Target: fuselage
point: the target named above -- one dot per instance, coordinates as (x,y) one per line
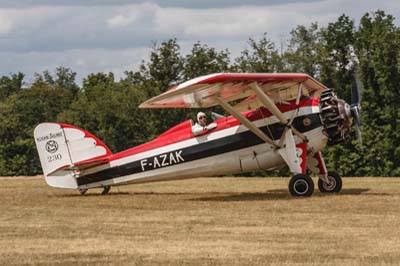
(229,148)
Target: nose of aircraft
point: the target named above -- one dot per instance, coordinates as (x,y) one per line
(338,116)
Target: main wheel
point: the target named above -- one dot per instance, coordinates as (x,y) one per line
(334,185)
(105,190)
(301,186)
(82,191)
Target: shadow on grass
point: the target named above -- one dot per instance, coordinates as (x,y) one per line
(273,194)
(247,197)
(93,194)
(149,193)
(280,194)
(354,191)
(358,191)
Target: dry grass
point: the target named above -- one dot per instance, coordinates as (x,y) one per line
(209,221)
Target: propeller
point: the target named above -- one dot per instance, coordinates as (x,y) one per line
(338,115)
(355,107)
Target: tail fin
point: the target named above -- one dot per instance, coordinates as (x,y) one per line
(62,147)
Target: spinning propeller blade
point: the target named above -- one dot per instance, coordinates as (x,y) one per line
(356,103)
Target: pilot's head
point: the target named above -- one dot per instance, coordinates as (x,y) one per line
(201,118)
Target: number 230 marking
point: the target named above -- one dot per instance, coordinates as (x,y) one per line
(54,157)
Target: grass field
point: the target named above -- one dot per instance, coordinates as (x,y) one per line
(207,221)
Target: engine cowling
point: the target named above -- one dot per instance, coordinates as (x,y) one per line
(336,116)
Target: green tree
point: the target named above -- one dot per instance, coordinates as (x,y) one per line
(304,50)
(204,60)
(10,84)
(337,67)
(63,78)
(261,56)
(20,113)
(378,49)
(164,68)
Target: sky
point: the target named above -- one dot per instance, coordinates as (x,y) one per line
(116,35)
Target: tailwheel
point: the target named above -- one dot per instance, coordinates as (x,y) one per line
(106,189)
(334,185)
(301,186)
(82,191)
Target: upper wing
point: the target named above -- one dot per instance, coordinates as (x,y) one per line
(202,91)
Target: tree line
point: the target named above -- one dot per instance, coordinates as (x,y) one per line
(108,108)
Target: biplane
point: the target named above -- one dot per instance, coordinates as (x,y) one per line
(276,119)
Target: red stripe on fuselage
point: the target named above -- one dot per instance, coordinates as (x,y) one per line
(183,131)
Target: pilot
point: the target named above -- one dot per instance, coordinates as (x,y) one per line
(201,125)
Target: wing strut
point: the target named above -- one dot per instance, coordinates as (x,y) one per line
(270,105)
(245,121)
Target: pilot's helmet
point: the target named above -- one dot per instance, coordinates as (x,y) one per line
(199,115)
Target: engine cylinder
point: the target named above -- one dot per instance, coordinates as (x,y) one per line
(336,117)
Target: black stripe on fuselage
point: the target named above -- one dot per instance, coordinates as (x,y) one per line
(210,148)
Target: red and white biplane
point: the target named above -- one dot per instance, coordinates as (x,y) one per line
(284,119)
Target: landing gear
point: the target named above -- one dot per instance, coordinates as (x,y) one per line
(106,189)
(301,186)
(82,191)
(334,185)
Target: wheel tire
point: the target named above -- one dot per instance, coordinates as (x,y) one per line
(301,186)
(82,191)
(335,185)
(106,189)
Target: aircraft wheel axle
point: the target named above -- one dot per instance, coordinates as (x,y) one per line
(301,186)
